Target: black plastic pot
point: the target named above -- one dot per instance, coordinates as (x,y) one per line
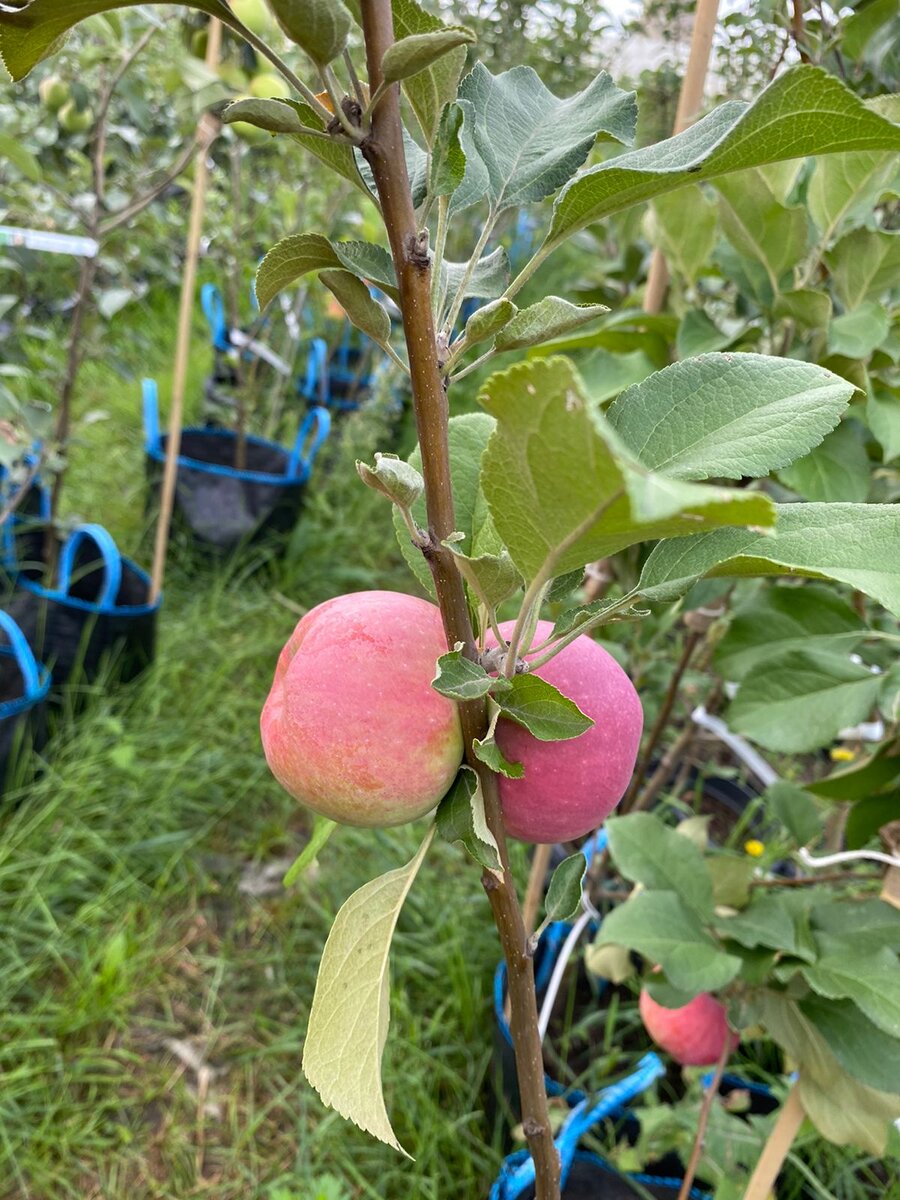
(223,508)
(24,685)
(22,533)
(98,618)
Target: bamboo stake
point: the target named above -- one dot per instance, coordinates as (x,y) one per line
(207,131)
(776,1148)
(535,890)
(690,102)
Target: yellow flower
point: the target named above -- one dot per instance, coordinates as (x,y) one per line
(754,848)
(842,754)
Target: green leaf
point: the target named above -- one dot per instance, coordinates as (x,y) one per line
(348,1023)
(565,891)
(837,470)
(461,820)
(540,708)
(32,33)
(493,578)
(21,158)
(842,1109)
(488,320)
(729,414)
(661,928)
(858,544)
(778,619)
(530,141)
(867,816)
(609,962)
(401,483)
(856,334)
(845,187)
(862,926)
(474,184)
(804,111)
(805,306)
(863,264)
(319,27)
(795,808)
(459,678)
(873,775)
(868,979)
(587,614)
(803,700)
(419,51)
(698,335)
(468,436)
(731,878)
(417,168)
(862,1049)
(685,229)
(883,417)
(765,921)
(555,467)
(322,830)
(758,226)
(357,302)
(647,851)
(548,318)
(488,281)
(272,115)
(448,159)
(487,751)
(295,256)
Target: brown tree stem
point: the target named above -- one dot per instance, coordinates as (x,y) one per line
(700,1138)
(662,719)
(383,150)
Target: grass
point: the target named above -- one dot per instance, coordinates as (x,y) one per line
(153,1009)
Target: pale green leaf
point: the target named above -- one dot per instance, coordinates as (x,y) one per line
(883,418)
(319,27)
(805,306)
(588,614)
(803,111)
(272,115)
(856,334)
(857,544)
(548,318)
(530,141)
(448,159)
(836,470)
(778,619)
(731,878)
(492,577)
(555,467)
(795,808)
(487,282)
(765,921)
(459,678)
(868,979)
(460,819)
(685,228)
(647,851)
(488,320)
(350,1015)
(801,701)
(698,335)
(863,1050)
(540,708)
(729,415)
(358,303)
(864,263)
(758,226)
(487,751)
(419,51)
(401,483)
(12,150)
(661,928)
(475,180)
(564,894)
(295,256)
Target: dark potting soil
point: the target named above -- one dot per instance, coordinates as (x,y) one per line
(219,451)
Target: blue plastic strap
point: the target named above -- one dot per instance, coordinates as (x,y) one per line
(316,369)
(300,464)
(214,310)
(344,351)
(27,663)
(151,415)
(109,552)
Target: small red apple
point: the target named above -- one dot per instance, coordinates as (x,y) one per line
(695,1034)
(352,726)
(570,788)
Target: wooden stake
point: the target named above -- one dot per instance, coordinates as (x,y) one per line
(535,890)
(690,102)
(209,128)
(776,1148)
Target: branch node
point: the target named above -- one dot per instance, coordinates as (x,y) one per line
(417,250)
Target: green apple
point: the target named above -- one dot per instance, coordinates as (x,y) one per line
(54,92)
(269,86)
(254,14)
(73,119)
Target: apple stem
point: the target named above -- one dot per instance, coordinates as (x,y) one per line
(383,149)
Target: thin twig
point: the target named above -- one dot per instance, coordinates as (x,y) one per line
(699,1140)
(100,124)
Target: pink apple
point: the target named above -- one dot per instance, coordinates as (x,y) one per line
(570,788)
(352,726)
(695,1034)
